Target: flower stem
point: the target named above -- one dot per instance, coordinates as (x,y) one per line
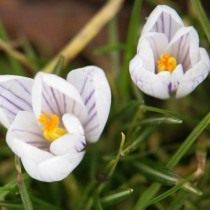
(22,187)
(111,166)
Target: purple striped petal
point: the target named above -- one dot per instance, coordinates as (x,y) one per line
(194,76)
(165,20)
(150,47)
(92,84)
(25,128)
(185,47)
(68,144)
(150,83)
(43,161)
(54,95)
(15,96)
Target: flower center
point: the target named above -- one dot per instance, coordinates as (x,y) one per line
(51,129)
(166,62)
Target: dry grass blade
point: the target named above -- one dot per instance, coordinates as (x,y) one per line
(90,30)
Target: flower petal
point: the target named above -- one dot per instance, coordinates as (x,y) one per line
(150,48)
(165,78)
(194,76)
(15,96)
(25,139)
(94,89)
(147,81)
(163,19)
(69,143)
(72,124)
(171,80)
(176,77)
(185,47)
(54,169)
(52,94)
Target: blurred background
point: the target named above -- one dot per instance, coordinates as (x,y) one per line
(49,24)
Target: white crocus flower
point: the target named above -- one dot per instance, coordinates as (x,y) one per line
(50,119)
(169,60)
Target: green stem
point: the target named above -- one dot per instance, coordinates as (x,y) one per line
(111,166)
(22,187)
(135,143)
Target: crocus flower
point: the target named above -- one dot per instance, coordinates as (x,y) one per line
(50,119)
(169,61)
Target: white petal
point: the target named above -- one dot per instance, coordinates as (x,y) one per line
(25,127)
(185,47)
(69,143)
(194,76)
(147,81)
(165,78)
(25,139)
(52,94)
(15,96)
(163,19)
(31,168)
(146,53)
(171,80)
(93,86)
(176,77)
(150,47)
(54,169)
(72,124)
(27,151)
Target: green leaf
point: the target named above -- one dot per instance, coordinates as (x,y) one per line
(146,197)
(203,19)
(97,204)
(6,189)
(143,201)
(116,196)
(130,47)
(161,120)
(166,112)
(11,205)
(178,201)
(59,67)
(165,176)
(15,65)
(133,145)
(185,146)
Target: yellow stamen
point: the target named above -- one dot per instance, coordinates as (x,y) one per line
(51,129)
(166,62)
